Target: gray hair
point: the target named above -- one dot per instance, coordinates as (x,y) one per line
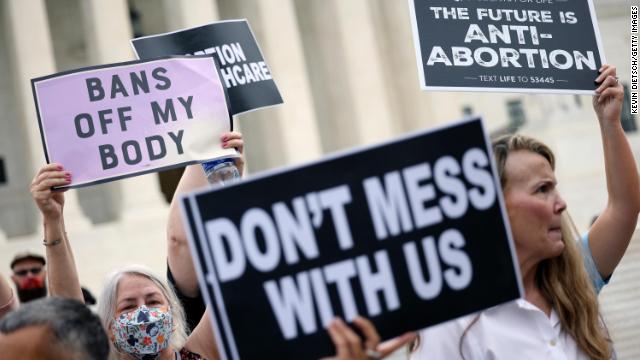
(107,303)
(72,323)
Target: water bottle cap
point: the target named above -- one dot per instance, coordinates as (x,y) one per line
(214,163)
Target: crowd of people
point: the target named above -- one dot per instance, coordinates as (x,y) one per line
(140,315)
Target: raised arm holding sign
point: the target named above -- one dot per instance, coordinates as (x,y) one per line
(134,300)
(561,276)
(116,121)
(180,264)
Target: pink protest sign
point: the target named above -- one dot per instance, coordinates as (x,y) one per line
(113,121)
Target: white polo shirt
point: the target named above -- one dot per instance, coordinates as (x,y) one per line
(514,330)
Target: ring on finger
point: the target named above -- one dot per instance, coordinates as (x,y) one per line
(373,354)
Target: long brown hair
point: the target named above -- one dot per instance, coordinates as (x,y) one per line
(563,280)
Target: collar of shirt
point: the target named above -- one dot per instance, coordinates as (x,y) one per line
(517,328)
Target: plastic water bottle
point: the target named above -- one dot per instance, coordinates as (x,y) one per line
(221,171)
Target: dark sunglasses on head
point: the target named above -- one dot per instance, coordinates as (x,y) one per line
(24,272)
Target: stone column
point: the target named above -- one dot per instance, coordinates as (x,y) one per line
(412,107)
(189,13)
(108,30)
(108,33)
(31,55)
(344,58)
(287,133)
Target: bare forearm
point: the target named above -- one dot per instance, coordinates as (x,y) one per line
(179,255)
(623,186)
(203,340)
(611,233)
(5,291)
(7,298)
(62,272)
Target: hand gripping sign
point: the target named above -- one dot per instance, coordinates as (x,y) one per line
(108,122)
(409,233)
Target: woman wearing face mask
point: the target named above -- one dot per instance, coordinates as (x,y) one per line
(146,321)
(139,311)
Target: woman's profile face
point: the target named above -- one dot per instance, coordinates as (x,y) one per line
(134,291)
(534,206)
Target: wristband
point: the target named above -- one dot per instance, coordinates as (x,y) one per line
(51,243)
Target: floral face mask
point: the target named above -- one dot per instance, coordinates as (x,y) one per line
(144,332)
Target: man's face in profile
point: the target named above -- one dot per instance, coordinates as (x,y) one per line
(35,342)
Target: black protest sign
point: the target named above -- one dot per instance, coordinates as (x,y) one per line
(525,46)
(409,234)
(243,70)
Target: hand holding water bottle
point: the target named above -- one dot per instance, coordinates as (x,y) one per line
(226,170)
(234,139)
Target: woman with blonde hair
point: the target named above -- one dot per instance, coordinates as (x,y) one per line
(558,318)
